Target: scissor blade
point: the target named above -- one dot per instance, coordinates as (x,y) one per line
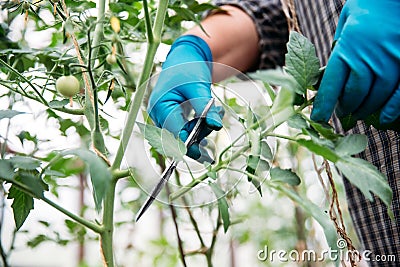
(167,173)
(156,190)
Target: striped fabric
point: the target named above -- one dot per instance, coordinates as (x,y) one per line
(317,19)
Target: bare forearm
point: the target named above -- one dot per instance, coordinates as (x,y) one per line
(232,38)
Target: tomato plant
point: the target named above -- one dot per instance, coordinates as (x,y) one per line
(103,48)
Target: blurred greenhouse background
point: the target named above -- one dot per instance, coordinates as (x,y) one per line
(50,239)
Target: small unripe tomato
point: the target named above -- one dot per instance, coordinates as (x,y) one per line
(68,86)
(26,5)
(111,59)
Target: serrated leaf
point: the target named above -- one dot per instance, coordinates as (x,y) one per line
(24,135)
(317,213)
(367,178)
(8,114)
(297,122)
(100,176)
(285,176)
(351,144)
(25,163)
(319,149)
(325,130)
(222,205)
(33,182)
(301,61)
(163,141)
(58,103)
(22,205)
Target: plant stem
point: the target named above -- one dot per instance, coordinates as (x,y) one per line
(42,100)
(106,235)
(119,174)
(194,182)
(98,30)
(148,22)
(94,227)
(213,241)
(3,253)
(142,85)
(178,236)
(22,187)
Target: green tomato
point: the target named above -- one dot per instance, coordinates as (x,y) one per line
(68,86)
(26,5)
(111,59)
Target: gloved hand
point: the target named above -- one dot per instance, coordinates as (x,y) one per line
(363,73)
(185,78)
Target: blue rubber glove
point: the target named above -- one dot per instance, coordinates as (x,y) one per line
(363,73)
(184,82)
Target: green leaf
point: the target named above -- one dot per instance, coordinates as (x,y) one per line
(37,240)
(22,205)
(8,114)
(285,176)
(24,135)
(25,163)
(257,185)
(33,182)
(351,144)
(99,174)
(297,122)
(266,150)
(6,170)
(222,205)
(282,108)
(325,130)
(163,141)
(301,61)
(316,212)
(276,77)
(256,165)
(319,149)
(58,103)
(270,91)
(212,174)
(367,178)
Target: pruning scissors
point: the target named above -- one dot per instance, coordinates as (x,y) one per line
(192,138)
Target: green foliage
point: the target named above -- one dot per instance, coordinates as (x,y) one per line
(163,141)
(222,205)
(367,178)
(30,75)
(284,176)
(8,114)
(99,174)
(22,205)
(301,62)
